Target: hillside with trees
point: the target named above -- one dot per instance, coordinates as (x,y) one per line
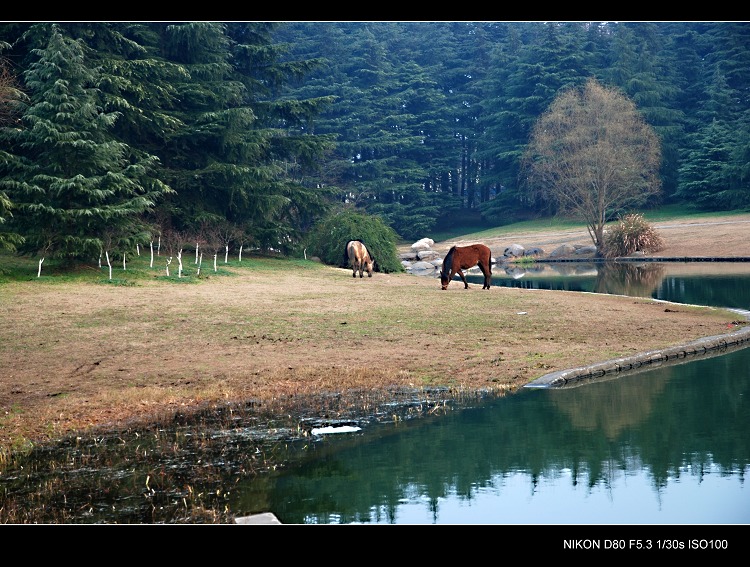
(255,134)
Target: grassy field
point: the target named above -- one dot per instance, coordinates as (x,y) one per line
(81,351)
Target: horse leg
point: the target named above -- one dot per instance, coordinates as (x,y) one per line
(487,276)
(463,278)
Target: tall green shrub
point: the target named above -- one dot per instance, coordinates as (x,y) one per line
(329,236)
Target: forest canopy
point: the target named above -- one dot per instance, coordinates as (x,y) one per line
(112,133)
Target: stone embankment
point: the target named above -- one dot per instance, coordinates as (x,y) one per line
(705,347)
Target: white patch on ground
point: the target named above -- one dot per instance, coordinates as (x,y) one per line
(330,429)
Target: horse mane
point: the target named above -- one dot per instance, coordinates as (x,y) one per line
(448,260)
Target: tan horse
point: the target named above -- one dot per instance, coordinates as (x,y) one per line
(357,255)
(465,257)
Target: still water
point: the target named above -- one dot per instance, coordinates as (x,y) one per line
(720,284)
(666,446)
(669,445)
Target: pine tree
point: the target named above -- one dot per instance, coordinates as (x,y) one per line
(232,158)
(75,189)
(529,68)
(10,103)
(640,68)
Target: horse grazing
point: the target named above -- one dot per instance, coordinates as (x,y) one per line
(465,257)
(356,253)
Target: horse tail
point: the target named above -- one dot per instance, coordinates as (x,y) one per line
(345,262)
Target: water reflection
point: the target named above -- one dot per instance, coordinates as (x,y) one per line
(721,284)
(666,446)
(635,280)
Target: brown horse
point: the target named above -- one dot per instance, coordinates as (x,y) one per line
(465,257)
(356,253)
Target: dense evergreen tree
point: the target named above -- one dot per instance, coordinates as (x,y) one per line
(10,104)
(715,166)
(231,160)
(706,167)
(75,190)
(640,68)
(522,90)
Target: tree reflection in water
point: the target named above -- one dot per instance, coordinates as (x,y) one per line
(634,280)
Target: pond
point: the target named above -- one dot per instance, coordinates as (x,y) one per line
(720,284)
(668,445)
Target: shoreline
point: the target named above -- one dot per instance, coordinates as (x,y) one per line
(708,347)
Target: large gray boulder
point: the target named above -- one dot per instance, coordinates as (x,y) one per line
(427,255)
(513,251)
(562,251)
(421,268)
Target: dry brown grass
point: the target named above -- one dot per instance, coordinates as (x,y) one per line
(82,356)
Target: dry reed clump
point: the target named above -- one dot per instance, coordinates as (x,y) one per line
(632,233)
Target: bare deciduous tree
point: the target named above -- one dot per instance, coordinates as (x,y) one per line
(11,100)
(11,95)
(593,155)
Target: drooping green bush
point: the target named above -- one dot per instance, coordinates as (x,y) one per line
(631,233)
(327,239)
